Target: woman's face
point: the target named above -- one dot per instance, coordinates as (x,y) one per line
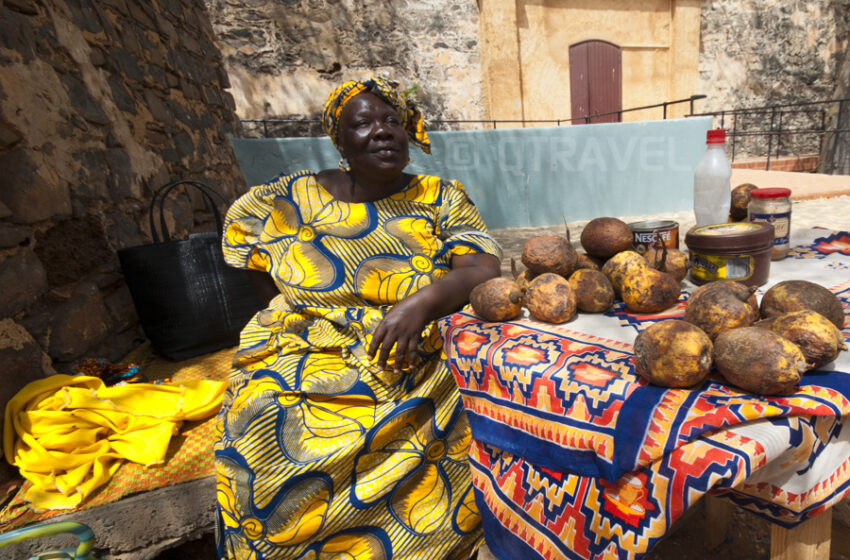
(371,136)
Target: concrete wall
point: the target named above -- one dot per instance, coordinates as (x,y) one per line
(525,53)
(100,102)
(533,176)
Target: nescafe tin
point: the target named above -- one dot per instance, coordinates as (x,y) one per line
(737,251)
(646,233)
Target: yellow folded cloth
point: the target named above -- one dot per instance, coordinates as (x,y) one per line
(69,434)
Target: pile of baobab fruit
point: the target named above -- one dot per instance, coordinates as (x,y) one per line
(760,347)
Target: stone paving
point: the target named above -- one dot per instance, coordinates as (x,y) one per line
(833,213)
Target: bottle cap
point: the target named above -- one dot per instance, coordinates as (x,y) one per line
(770,193)
(716,136)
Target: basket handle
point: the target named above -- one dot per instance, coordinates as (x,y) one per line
(162,193)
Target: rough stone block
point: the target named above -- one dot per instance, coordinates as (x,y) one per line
(124,230)
(91,175)
(16,34)
(9,135)
(85,16)
(159,111)
(121,309)
(127,63)
(82,101)
(72,249)
(122,98)
(189,90)
(183,143)
(13,235)
(23,361)
(4,211)
(122,180)
(30,195)
(79,324)
(22,280)
(142,13)
(116,347)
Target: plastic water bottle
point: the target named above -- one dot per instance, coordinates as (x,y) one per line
(712,190)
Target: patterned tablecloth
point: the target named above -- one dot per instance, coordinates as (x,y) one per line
(575,456)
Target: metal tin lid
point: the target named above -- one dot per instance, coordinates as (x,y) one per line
(777,192)
(734,236)
(653,225)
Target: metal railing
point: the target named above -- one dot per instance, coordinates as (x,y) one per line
(772,124)
(266,123)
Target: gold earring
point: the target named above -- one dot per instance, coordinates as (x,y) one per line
(343,165)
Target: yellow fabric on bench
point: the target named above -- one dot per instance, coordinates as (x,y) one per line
(189,455)
(68,434)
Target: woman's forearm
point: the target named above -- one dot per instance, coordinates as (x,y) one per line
(451,292)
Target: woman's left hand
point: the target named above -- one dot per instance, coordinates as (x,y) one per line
(402,326)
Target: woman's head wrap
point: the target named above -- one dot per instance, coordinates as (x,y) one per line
(384,88)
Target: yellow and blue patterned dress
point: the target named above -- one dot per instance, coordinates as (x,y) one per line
(321,452)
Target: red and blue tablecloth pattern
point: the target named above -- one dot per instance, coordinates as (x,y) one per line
(574,456)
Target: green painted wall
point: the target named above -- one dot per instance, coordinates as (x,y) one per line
(533,176)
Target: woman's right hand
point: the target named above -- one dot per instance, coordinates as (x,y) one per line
(401,327)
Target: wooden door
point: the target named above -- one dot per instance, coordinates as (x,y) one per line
(595,81)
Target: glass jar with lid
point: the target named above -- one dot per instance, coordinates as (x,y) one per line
(773,206)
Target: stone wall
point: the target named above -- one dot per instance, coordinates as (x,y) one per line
(284,57)
(100,102)
(754,54)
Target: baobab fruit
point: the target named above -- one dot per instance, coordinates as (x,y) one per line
(670,260)
(623,263)
(605,237)
(549,253)
(759,360)
(649,291)
(497,299)
(740,201)
(550,298)
(521,278)
(720,306)
(796,295)
(673,353)
(583,260)
(818,339)
(592,289)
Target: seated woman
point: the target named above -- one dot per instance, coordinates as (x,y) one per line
(342,430)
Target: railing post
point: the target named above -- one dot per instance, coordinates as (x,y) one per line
(665,110)
(734,133)
(835,138)
(265,129)
(770,137)
(722,119)
(779,135)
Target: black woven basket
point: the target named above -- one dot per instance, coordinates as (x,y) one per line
(189,301)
